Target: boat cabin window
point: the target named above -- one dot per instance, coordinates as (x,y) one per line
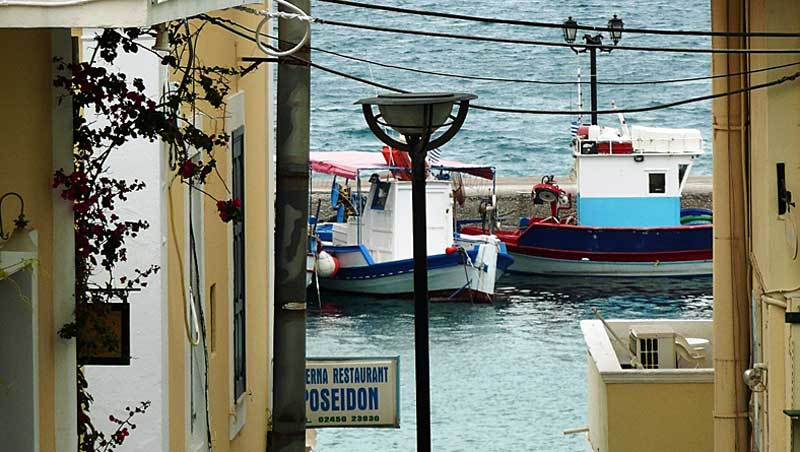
(682,168)
(658,182)
(381,193)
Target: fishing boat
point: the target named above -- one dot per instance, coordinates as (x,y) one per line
(366,248)
(628,220)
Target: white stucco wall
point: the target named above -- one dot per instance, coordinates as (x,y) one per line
(114,387)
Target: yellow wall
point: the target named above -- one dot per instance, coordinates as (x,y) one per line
(660,417)
(598,406)
(26,166)
(652,417)
(218,47)
(774,137)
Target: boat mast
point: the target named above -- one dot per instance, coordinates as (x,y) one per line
(580,96)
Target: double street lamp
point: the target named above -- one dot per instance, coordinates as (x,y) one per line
(417,116)
(593,43)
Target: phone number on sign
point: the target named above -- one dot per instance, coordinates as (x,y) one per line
(346,419)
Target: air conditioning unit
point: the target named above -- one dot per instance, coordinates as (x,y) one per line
(653,345)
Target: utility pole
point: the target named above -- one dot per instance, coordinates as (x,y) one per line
(593,44)
(593,40)
(291,239)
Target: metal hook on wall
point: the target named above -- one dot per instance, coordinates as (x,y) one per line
(20,222)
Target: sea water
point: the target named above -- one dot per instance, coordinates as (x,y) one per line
(508,376)
(518,145)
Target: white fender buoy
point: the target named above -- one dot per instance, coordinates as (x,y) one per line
(327,265)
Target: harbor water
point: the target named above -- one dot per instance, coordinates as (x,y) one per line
(518,145)
(510,376)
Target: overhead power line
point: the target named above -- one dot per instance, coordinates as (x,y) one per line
(690,100)
(220,23)
(518,80)
(521,110)
(547,82)
(530,23)
(436,34)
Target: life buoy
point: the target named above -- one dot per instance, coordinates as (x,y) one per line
(326,265)
(695,219)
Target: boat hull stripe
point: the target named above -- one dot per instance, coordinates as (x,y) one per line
(663,256)
(618,240)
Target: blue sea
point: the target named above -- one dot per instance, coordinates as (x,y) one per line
(510,376)
(518,145)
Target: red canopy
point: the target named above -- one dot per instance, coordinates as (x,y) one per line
(347,164)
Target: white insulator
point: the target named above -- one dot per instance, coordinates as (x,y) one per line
(327,265)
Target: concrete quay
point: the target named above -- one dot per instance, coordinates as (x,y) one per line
(514,197)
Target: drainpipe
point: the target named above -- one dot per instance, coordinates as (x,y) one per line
(291,232)
(731,276)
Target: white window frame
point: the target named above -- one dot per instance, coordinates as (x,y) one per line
(667,174)
(196,440)
(688,171)
(235,119)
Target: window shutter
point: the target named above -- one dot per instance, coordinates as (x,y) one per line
(239,345)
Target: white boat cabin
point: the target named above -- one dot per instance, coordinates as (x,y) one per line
(634,178)
(384,226)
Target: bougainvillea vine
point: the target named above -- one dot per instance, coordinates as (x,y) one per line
(123,112)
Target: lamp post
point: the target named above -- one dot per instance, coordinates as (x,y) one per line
(417,116)
(593,43)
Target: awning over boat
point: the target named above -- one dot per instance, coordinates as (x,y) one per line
(348,163)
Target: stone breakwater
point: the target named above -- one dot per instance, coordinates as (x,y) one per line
(514,198)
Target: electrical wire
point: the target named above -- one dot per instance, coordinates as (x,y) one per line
(195,289)
(531,111)
(690,100)
(436,34)
(218,23)
(530,23)
(545,82)
(517,80)
(187,323)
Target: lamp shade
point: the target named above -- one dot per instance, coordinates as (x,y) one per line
(615,25)
(162,43)
(570,30)
(19,241)
(416,114)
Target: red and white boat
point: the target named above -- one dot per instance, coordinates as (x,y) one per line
(370,239)
(628,220)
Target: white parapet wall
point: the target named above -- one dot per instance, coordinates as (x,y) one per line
(634,409)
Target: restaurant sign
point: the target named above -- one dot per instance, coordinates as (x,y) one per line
(352,392)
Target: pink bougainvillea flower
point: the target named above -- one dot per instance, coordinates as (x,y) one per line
(188,169)
(230,210)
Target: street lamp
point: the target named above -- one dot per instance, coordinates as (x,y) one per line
(570,30)
(593,43)
(417,116)
(615,25)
